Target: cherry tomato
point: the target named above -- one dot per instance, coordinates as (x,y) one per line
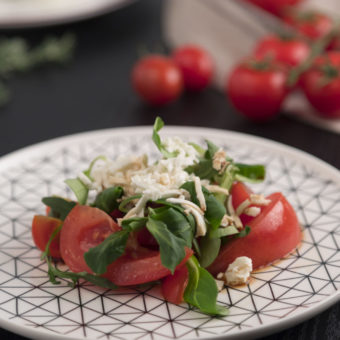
(157,79)
(275,232)
(312,24)
(196,66)
(288,51)
(257,89)
(173,286)
(275,7)
(321,85)
(42,229)
(84,228)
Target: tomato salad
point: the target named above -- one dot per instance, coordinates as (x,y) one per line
(181,221)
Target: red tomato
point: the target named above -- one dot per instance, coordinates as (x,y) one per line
(173,286)
(84,228)
(139,266)
(196,66)
(42,229)
(312,24)
(274,233)
(321,85)
(257,89)
(239,193)
(145,239)
(290,52)
(275,6)
(157,79)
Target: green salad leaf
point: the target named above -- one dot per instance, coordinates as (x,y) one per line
(79,188)
(250,173)
(107,199)
(215,209)
(60,207)
(210,248)
(201,290)
(158,125)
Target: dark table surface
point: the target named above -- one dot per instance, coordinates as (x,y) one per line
(94,92)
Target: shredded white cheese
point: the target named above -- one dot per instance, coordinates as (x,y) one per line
(199,193)
(219,160)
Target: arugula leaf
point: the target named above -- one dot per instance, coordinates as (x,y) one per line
(99,257)
(171,246)
(79,188)
(201,290)
(107,199)
(176,222)
(215,209)
(210,248)
(60,207)
(250,173)
(158,125)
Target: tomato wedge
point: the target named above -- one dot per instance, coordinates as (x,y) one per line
(84,228)
(42,229)
(274,233)
(173,286)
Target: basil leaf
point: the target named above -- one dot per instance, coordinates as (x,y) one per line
(99,257)
(60,207)
(171,246)
(250,173)
(176,222)
(201,290)
(210,248)
(222,232)
(107,199)
(158,125)
(215,209)
(79,188)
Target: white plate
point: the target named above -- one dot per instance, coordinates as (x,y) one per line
(279,296)
(33,13)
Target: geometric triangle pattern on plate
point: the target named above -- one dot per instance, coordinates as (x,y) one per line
(285,289)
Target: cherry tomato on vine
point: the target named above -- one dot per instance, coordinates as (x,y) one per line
(286,50)
(321,85)
(157,79)
(275,7)
(311,24)
(257,88)
(196,66)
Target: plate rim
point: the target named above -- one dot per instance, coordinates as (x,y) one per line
(7,160)
(88,12)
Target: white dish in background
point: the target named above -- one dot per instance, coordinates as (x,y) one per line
(34,13)
(278,296)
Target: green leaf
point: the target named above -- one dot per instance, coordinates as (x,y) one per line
(123,203)
(60,207)
(210,248)
(244,232)
(107,199)
(250,173)
(212,149)
(79,188)
(99,257)
(158,125)
(198,148)
(134,223)
(171,246)
(87,172)
(222,232)
(215,209)
(176,222)
(201,290)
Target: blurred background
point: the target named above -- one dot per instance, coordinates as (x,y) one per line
(73,66)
